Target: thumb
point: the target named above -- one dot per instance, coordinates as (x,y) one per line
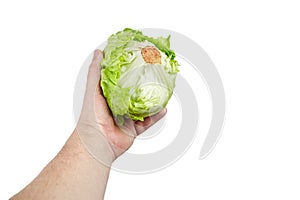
(94,72)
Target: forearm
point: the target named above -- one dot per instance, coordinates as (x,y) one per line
(72,174)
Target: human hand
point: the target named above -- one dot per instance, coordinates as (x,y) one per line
(96,127)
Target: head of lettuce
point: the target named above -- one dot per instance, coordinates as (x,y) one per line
(138,74)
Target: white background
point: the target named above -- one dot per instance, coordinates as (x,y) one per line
(254,44)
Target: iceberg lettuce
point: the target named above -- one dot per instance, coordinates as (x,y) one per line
(138,74)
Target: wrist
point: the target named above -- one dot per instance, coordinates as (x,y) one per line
(93,145)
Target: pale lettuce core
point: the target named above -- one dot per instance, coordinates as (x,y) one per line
(131,86)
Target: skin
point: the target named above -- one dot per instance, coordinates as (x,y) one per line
(74,173)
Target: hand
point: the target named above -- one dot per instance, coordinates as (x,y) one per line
(96,126)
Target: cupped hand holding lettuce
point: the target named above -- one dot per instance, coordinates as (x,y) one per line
(138,74)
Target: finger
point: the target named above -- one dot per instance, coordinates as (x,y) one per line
(101,109)
(94,103)
(94,72)
(141,126)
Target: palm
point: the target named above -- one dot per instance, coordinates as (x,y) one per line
(120,137)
